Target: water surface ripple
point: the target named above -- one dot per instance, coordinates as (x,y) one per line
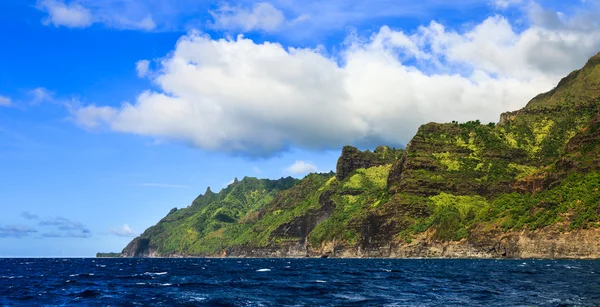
(297,282)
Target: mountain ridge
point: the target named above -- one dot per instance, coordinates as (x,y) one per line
(525,187)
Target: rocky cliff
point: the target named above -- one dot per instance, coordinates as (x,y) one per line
(528,186)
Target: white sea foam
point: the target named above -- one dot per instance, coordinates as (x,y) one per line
(572,267)
(350,297)
(263,270)
(157,273)
(320,281)
(197,299)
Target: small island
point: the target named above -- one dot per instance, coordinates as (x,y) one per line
(108,255)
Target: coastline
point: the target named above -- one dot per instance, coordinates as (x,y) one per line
(548,243)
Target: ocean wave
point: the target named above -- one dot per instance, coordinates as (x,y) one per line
(155,273)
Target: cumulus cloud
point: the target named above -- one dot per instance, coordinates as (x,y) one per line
(301,167)
(15,231)
(72,15)
(82,14)
(239,96)
(123,231)
(142,67)
(5,101)
(262,16)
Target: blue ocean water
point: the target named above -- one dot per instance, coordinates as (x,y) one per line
(297,282)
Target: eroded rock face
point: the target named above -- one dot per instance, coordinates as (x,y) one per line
(495,243)
(587,139)
(352,159)
(449,194)
(299,228)
(139,247)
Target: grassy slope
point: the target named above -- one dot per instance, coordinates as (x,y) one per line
(537,168)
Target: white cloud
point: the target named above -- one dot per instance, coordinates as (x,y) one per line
(72,15)
(39,95)
(238,96)
(116,21)
(301,167)
(503,4)
(92,117)
(262,16)
(123,231)
(84,13)
(5,101)
(142,67)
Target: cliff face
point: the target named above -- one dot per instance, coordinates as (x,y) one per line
(525,187)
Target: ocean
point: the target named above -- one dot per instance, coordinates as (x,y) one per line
(297,282)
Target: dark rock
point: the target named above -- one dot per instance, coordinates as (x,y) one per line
(353,159)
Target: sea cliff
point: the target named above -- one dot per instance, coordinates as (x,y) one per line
(527,187)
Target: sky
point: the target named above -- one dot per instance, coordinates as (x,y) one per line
(112,112)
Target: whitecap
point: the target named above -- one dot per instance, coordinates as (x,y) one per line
(158,273)
(166,284)
(320,281)
(263,270)
(572,267)
(73,275)
(351,297)
(140,283)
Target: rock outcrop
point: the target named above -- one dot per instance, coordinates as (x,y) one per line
(527,187)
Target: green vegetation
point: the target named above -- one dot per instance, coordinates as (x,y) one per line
(108,255)
(539,167)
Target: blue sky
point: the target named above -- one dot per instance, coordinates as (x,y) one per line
(114,112)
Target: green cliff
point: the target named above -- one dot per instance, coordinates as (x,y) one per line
(525,187)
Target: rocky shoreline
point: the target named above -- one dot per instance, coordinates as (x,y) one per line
(541,244)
